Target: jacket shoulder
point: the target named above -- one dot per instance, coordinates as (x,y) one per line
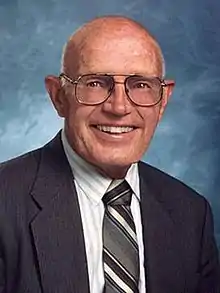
(170,189)
(19,173)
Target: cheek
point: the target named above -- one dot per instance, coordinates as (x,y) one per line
(150,121)
(76,122)
(150,118)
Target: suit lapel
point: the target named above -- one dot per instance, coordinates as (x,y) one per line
(163,259)
(57,229)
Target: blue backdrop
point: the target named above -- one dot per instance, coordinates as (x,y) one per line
(187,143)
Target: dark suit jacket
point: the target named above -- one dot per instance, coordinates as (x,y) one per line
(41,240)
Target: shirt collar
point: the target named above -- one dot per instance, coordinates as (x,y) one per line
(93,183)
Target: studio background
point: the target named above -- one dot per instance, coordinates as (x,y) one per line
(187,142)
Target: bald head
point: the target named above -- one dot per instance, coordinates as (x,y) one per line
(99,32)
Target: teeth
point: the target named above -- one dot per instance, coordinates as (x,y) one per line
(115,129)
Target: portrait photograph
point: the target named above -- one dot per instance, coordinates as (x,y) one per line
(101,99)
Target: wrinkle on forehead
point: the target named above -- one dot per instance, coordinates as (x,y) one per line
(99,32)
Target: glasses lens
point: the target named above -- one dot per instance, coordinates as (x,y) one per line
(144,90)
(93,89)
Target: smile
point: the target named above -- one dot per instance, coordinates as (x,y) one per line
(115,129)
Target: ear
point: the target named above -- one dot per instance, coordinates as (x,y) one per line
(54,89)
(167,92)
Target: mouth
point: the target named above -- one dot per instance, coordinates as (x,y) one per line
(115,129)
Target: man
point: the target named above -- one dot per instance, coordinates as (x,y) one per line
(83,214)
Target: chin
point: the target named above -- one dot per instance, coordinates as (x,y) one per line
(116,160)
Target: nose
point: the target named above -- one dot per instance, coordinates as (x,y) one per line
(118,103)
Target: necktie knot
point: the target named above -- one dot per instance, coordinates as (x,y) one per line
(119,195)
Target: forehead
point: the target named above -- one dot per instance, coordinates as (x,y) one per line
(121,55)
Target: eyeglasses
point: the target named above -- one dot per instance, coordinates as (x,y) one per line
(94,89)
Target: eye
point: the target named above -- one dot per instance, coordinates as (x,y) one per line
(94,83)
(141,85)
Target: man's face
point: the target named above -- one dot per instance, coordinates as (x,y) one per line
(116,133)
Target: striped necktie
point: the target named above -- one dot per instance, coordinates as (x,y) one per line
(120,249)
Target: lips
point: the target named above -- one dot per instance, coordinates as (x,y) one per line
(115,129)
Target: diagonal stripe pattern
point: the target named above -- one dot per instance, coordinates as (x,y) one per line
(120,249)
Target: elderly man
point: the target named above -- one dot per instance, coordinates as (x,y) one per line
(83,214)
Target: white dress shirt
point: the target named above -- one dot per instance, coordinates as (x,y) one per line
(90,187)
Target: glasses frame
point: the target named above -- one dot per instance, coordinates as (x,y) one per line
(76,81)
